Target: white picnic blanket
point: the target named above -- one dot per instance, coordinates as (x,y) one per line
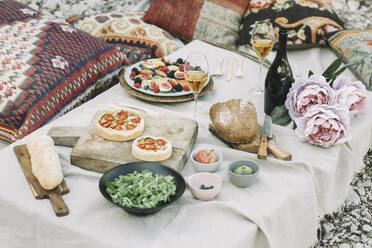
(280,210)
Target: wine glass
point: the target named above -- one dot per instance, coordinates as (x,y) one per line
(196,74)
(262,39)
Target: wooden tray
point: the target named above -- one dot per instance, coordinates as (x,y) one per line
(92,152)
(162,99)
(39,192)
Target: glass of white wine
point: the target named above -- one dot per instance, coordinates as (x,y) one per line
(196,74)
(262,39)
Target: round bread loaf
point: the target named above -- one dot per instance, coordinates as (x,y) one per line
(235,120)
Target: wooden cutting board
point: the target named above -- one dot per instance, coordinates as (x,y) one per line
(94,153)
(54,195)
(252,146)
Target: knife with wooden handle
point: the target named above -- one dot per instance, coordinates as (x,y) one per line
(276,151)
(262,148)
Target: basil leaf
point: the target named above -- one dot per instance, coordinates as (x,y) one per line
(310,73)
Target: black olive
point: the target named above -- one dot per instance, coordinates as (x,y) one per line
(178,87)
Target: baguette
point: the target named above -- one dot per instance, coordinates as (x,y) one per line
(45,163)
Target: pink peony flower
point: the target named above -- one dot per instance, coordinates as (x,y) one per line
(324,125)
(307,92)
(352,95)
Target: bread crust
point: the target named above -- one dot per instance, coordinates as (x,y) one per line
(150,155)
(45,163)
(235,120)
(120,135)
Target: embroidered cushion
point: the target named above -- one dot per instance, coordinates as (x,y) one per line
(128,32)
(306,20)
(46,68)
(355,47)
(216,21)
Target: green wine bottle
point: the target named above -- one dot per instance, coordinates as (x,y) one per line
(279,77)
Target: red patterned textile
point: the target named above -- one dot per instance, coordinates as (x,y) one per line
(215,21)
(177,17)
(46,68)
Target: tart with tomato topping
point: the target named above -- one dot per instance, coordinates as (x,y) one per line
(149,148)
(120,125)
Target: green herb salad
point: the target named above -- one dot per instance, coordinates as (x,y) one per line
(141,189)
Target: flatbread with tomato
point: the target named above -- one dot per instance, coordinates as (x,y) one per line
(120,125)
(150,148)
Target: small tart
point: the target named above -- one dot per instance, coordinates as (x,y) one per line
(120,125)
(150,148)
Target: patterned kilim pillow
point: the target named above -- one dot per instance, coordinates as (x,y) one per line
(128,32)
(216,21)
(46,68)
(355,47)
(306,20)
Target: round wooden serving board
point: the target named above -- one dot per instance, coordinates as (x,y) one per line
(163,99)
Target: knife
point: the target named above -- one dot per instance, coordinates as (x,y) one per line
(266,133)
(230,68)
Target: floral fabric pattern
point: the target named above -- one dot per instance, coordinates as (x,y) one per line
(355,47)
(45,69)
(136,39)
(357,14)
(306,20)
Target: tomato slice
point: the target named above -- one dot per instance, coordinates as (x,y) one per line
(142,146)
(136,120)
(118,127)
(161,142)
(152,147)
(109,117)
(123,115)
(130,126)
(121,122)
(106,124)
(149,141)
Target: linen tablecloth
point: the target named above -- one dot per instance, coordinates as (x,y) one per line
(280,210)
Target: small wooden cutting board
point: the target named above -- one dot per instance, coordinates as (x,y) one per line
(54,195)
(252,146)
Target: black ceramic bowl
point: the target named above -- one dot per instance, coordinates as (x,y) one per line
(155,168)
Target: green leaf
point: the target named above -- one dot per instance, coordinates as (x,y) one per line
(280,116)
(111,186)
(310,73)
(332,77)
(340,70)
(332,68)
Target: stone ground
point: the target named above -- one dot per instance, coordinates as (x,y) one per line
(351,226)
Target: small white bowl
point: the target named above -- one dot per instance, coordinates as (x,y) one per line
(201,167)
(197,179)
